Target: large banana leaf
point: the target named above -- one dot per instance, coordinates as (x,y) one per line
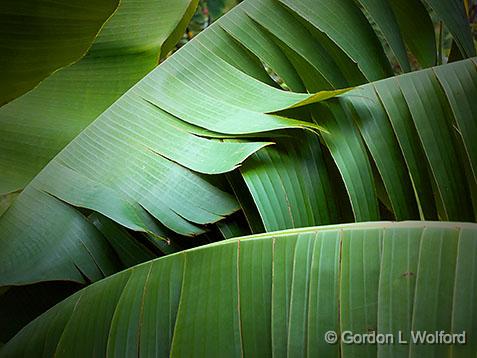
(36,126)
(417,29)
(138,161)
(416,129)
(130,180)
(306,48)
(37,37)
(454,15)
(277,294)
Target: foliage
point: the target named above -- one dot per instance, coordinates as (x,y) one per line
(275,294)
(57,34)
(277,116)
(36,126)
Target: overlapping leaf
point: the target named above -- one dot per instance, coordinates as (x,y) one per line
(39,37)
(411,128)
(276,294)
(453,14)
(138,162)
(36,126)
(125,180)
(131,163)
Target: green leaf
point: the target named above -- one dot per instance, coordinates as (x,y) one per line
(6,200)
(377,132)
(263,44)
(335,20)
(246,202)
(290,184)
(295,41)
(205,110)
(382,14)
(400,118)
(359,297)
(129,250)
(276,293)
(131,179)
(460,86)
(73,249)
(39,37)
(436,136)
(417,29)
(36,126)
(349,153)
(233,226)
(453,13)
(416,134)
